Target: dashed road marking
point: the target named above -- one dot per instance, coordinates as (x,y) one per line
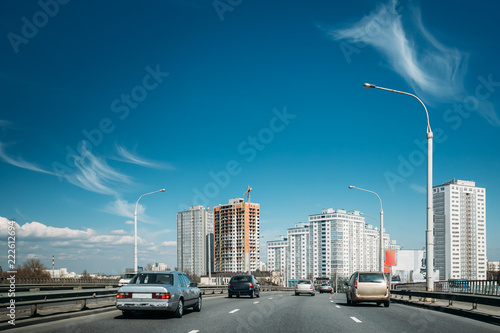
(235,310)
(338,307)
(194,331)
(256,302)
(356,319)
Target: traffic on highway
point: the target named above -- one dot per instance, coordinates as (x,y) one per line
(272,312)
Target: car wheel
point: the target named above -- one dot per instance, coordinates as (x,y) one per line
(296,294)
(258,294)
(252,294)
(386,304)
(127,314)
(313,294)
(348,300)
(197,306)
(230,295)
(180,309)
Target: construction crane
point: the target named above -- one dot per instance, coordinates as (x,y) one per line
(248,192)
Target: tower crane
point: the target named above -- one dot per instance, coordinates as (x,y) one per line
(248,192)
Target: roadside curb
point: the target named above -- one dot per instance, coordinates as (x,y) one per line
(473,314)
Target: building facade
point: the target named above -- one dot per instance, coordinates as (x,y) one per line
(299,240)
(237,236)
(195,240)
(460,230)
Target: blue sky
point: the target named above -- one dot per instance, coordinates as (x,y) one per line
(102,103)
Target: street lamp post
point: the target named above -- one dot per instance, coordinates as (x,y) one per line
(381,257)
(430,213)
(135,227)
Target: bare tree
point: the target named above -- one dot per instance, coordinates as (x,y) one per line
(33,268)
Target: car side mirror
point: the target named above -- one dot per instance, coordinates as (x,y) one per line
(193,285)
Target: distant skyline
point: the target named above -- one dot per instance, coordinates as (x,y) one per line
(104,103)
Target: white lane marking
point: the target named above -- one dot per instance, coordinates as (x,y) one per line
(338,307)
(194,331)
(331,301)
(256,302)
(356,319)
(235,310)
(270,298)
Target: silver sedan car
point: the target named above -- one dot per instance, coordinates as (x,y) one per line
(305,287)
(168,291)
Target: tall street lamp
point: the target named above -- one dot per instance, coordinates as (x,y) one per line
(430,213)
(381,257)
(135,227)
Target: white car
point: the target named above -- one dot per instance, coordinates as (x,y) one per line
(305,287)
(125,279)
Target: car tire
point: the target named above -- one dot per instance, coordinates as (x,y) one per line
(349,302)
(127,314)
(230,295)
(180,309)
(258,294)
(252,294)
(197,306)
(386,304)
(313,294)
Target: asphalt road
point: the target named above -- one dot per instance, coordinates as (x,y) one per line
(274,312)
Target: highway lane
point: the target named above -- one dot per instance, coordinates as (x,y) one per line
(275,312)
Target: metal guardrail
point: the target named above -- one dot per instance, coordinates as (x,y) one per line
(476,287)
(36,299)
(467,298)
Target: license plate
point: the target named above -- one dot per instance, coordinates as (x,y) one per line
(141,295)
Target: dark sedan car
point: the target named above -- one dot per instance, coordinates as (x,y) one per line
(243,284)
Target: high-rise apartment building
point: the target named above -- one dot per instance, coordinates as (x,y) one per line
(237,236)
(277,254)
(333,242)
(460,230)
(342,243)
(195,228)
(299,241)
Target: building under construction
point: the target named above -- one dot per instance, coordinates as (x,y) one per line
(237,236)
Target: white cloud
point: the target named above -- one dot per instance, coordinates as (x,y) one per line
(129,157)
(20,162)
(37,230)
(169,243)
(433,70)
(126,209)
(118,232)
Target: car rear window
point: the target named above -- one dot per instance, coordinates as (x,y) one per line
(241,279)
(305,282)
(145,278)
(371,277)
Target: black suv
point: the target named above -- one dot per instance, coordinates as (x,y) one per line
(243,284)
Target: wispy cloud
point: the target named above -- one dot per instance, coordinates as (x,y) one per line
(130,157)
(436,72)
(126,209)
(94,174)
(20,162)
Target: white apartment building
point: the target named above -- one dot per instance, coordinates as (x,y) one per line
(195,240)
(342,243)
(300,265)
(277,254)
(460,230)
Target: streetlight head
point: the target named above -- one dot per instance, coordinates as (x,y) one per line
(351,186)
(162,190)
(368,85)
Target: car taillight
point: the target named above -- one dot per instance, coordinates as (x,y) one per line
(311,287)
(387,284)
(356,285)
(250,285)
(124,295)
(161,295)
(229,285)
(297,286)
